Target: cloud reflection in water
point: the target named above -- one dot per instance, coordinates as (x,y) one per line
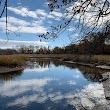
(88,97)
(14,88)
(40,69)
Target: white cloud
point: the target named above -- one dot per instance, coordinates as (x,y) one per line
(39,13)
(15,21)
(40,69)
(89,17)
(71,29)
(15,24)
(9,89)
(35,26)
(77,76)
(57,14)
(71,82)
(13,43)
(46,3)
(19,3)
(29,29)
(51,16)
(89,97)
(55,97)
(77,70)
(23,12)
(76,35)
(24,100)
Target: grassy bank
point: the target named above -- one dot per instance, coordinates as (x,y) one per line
(13,60)
(19,60)
(98,59)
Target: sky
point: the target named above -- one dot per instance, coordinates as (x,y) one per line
(29,18)
(26,20)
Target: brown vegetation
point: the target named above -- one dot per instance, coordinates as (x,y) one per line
(12,60)
(96,59)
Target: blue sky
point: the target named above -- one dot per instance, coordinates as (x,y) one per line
(27,19)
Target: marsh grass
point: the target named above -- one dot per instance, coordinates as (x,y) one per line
(12,60)
(99,59)
(19,60)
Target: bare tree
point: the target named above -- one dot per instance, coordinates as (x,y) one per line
(90,15)
(3,9)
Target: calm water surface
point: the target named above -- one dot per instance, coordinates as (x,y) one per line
(51,85)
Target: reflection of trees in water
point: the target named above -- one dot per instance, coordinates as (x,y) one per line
(43,63)
(57,63)
(10,76)
(91,74)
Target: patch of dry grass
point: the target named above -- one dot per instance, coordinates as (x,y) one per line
(12,60)
(19,60)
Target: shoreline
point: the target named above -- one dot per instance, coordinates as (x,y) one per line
(9,70)
(90,65)
(94,65)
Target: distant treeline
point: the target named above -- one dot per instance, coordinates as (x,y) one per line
(69,49)
(8,51)
(92,43)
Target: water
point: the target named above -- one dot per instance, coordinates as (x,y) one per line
(51,85)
